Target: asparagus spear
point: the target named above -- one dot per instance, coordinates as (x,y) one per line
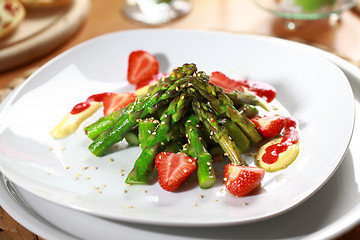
(162,134)
(139,110)
(239,98)
(240,139)
(144,164)
(218,134)
(197,149)
(108,122)
(222,104)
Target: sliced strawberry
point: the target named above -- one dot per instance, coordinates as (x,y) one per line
(115,101)
(269,126)
(221,80)
(262,89)
(241,180)
(173,169)
(142,67)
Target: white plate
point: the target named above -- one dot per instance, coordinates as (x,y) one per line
(314,91)
(332,211)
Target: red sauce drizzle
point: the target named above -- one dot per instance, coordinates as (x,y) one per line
(78,108)
(290,137)
(261,89)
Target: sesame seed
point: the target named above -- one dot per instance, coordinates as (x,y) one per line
(76,178)
(226,154)
(87,178)
(96,188)
(84,168)
(63,148)
(125,191)
(96,168)
(111,160)
(245,203)
(144,191)
(215,200)
(99,191)
(201,196)
(225,179)
(129,206)
(50,148)
(194,205)
(67,167)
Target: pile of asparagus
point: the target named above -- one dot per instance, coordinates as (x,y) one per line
(182,112)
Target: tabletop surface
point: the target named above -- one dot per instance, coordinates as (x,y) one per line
(242,16)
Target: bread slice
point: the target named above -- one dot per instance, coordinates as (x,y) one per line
(12,13)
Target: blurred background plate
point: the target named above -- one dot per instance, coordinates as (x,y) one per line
(40,32)
(306,9)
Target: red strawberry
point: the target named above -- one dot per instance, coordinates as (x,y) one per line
(269,126)
(221,80)
(261,89)
(173,169)
(241,180)
(115,101)
(142,67)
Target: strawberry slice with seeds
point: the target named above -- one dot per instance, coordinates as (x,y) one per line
(269,126)
(227,84)
(115,101)
(142,67)
(173,169)
(261,89)
(241,180)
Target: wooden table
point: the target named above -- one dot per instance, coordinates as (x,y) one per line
(241,16)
